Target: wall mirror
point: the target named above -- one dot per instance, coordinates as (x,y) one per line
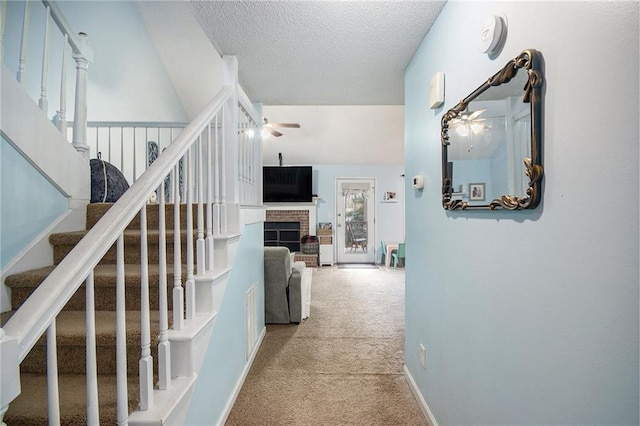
(492,141)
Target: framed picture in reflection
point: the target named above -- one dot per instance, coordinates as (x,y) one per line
(476,191)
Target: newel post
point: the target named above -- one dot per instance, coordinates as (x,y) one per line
(10,372)
(227,160)
(83,59)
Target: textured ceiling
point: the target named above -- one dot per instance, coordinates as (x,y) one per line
(319,52)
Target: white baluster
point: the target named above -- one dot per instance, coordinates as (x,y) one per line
(43,103)
(93,417)
(53,398)
(3,18)
(238,160)
(22,64)
(201,263)
(146,360)
(217,178)
(190,284)
(122,400)
(164,346)
(135,166)
(223,171)
(210,181)
(255,165)
(178,291)
(61,116)
(80,113)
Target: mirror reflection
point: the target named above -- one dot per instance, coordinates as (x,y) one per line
(487,141)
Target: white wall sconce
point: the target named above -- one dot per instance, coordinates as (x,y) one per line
(436,90)
(493,34)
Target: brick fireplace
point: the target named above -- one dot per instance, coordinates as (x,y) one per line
(301,216)
(279,227)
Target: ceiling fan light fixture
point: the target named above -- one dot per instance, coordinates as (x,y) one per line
(476,127)
(462,130)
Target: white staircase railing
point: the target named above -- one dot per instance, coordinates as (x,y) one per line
(80,51)
(205,147)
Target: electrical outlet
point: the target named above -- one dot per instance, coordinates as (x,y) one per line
(423,356)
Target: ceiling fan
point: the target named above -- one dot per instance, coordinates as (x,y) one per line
(469,122)
(270,128)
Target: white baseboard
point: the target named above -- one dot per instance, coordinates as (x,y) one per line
(423,403)
(234,395)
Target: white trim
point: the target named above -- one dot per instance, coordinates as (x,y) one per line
(43,235)
(252,214)
(70,173)
(421,401)
(39,252)
(232,398)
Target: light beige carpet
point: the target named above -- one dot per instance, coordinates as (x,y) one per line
(342,366)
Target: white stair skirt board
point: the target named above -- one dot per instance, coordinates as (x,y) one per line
(416,392)
(236,391)
(225,249)
(189,345)
(210,288)
(170,407)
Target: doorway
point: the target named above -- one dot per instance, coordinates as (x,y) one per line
(355,220)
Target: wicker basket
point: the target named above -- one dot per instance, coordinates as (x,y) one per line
(310,248)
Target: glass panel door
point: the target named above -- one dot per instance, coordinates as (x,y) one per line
(355,220)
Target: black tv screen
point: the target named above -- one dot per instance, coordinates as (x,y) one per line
(286,184)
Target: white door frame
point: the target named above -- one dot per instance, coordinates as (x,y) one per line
(349,254)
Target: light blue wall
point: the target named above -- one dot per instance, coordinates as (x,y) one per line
(389,216)
(29,203)
(226,357)
(531,317)
(473,171)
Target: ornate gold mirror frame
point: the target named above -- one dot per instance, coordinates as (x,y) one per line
(530,61)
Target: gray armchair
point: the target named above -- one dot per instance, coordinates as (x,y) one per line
(282,287)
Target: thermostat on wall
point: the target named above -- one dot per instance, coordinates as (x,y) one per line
(418,182)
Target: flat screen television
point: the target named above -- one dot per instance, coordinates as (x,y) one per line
(285,184)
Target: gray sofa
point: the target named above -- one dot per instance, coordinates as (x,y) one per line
(282,287)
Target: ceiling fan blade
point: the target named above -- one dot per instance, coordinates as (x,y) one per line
(275,133)
(475,114)
(291,125)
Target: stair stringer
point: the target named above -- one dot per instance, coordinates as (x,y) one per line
(189,345)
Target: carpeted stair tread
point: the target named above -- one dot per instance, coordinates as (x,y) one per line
(63,243)
(70,327)
(103,275)
(130,236)
(95,211)
(30,408)
(71,344)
